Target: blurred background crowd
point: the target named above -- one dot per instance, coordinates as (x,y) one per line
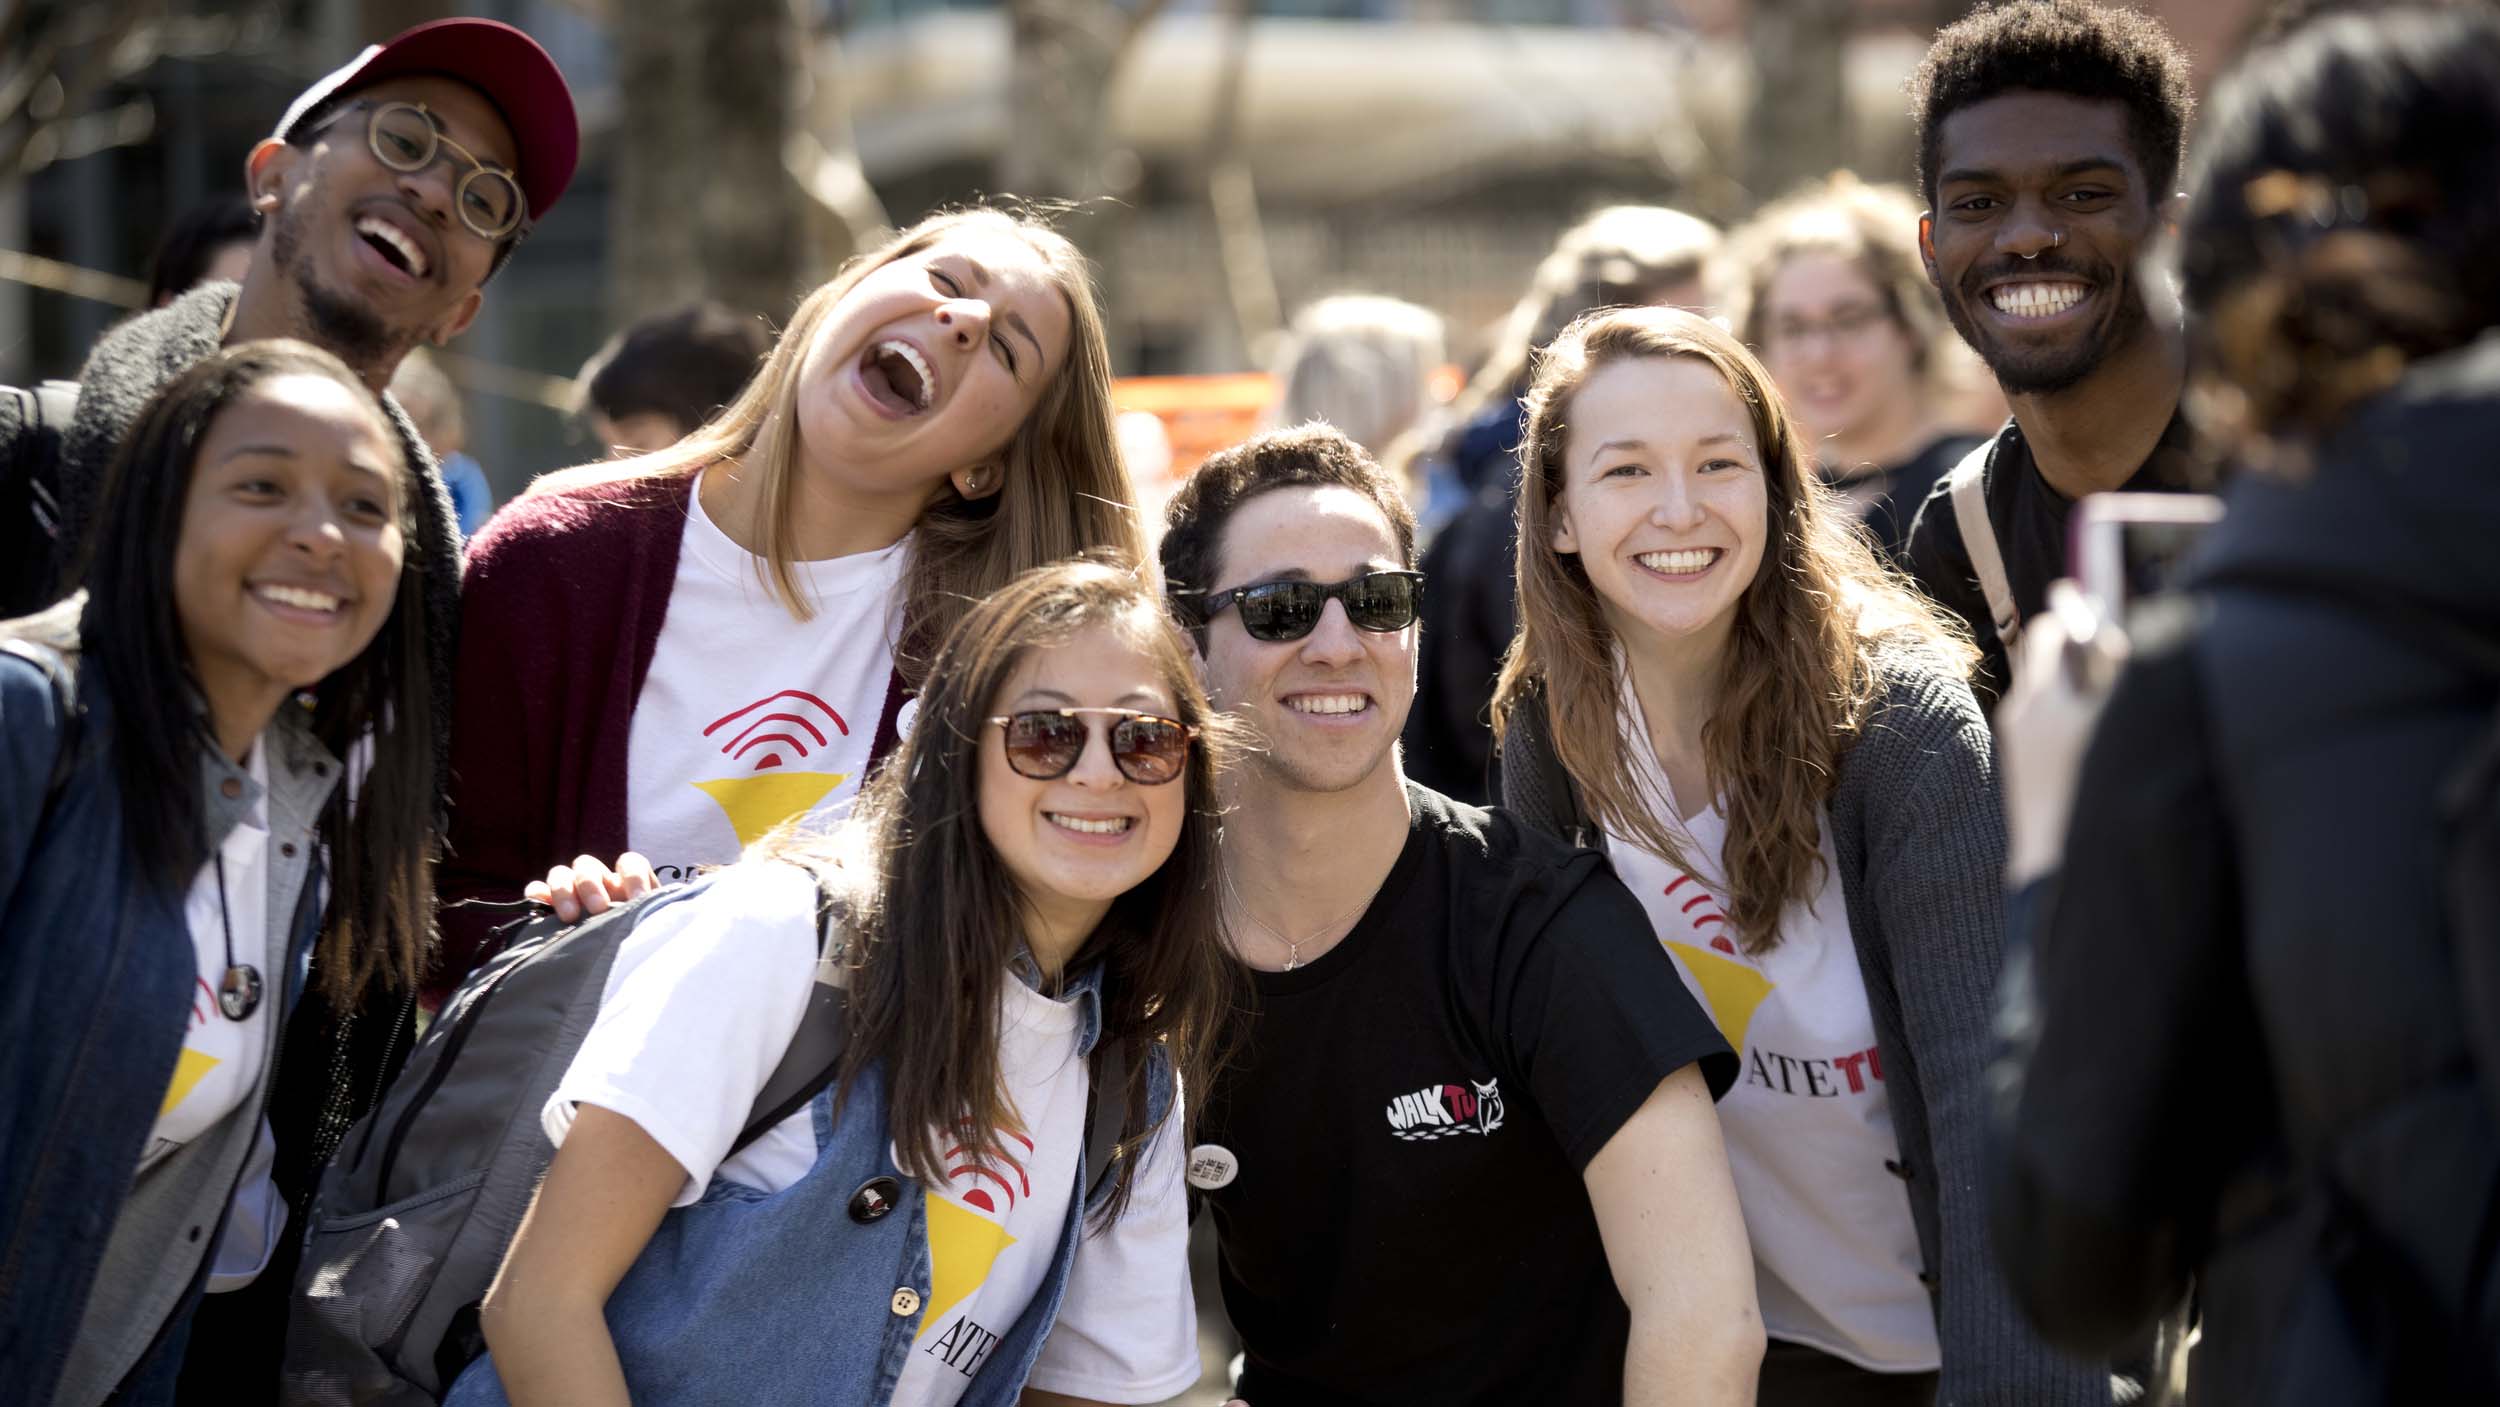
(1236,162)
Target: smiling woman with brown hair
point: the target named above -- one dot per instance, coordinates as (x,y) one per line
(1031,882)
(1770,735)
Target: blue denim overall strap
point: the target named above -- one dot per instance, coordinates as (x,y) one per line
(784,1297)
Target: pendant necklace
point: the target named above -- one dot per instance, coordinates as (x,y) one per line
(238,993)
(1293,950)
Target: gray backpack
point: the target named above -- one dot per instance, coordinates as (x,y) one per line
(416,1210)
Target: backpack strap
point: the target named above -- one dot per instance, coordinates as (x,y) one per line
(1102,1136)
(63,678)
(50,406)
(815,1057)
(815,1053)
(1967,488)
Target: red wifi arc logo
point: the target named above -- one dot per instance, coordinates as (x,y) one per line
(1700,899)
(795,719)
(969,1173)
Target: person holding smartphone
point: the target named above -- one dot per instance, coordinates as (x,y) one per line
(2254,1031)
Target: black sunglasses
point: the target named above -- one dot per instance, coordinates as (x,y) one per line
(1045,743)
(1289,610)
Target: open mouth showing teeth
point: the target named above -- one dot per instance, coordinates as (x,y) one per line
(2035,300)
(299,598)
(897,376)
(393,245)
(1683,562)
(1110,825)
(1328,703)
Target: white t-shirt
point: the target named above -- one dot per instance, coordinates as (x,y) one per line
(220,1064)
(700,1005)
(1807,1124)
(749,716)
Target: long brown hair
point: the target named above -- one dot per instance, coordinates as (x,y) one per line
(936,918)
(1064,490)
(1802,670)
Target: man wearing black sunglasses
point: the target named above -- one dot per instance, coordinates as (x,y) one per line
(1468,1153)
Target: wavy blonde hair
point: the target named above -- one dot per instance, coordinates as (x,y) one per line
(1064,490)
(1803,670)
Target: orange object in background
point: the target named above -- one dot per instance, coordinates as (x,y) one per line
(1200,414)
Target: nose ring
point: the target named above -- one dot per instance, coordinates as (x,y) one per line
(2056,238)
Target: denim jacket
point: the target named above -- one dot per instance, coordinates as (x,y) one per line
(748,1297)
(96,978)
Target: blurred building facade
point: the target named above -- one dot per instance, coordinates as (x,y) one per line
(1428,149)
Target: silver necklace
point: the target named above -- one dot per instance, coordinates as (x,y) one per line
(238,993)
(1293,950)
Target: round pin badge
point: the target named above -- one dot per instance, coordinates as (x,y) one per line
(1212,1166)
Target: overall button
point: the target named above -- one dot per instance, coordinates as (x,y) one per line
(906,1301)
(872,1201)
(229,788)
(287,849)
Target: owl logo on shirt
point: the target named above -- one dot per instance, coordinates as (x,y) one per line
(1446,1111)
(765,740)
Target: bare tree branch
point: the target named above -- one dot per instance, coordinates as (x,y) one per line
(102,44)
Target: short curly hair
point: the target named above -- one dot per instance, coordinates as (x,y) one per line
(1315,455)
(2060,46)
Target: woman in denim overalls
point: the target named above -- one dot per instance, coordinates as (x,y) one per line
(1030,879)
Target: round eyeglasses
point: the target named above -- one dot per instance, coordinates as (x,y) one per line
(406,137)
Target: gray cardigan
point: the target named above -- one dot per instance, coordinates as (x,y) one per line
(1921,842)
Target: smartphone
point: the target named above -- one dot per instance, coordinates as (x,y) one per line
(2126,546)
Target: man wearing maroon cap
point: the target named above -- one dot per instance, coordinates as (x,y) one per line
(389,193)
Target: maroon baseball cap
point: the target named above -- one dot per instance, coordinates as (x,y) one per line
(506,65)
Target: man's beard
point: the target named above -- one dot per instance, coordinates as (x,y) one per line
(341,325)
(2024,371)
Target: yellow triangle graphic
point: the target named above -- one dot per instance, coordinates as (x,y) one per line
(1731,988)
(188,1072)
(759,803)
(962,1247)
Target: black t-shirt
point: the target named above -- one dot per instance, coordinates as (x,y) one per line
(1898,489)
(1410,1115)
(2032,522)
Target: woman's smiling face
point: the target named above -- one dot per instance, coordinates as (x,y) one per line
(1664,497)
(1075,842)
(291,543)
(927,366)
